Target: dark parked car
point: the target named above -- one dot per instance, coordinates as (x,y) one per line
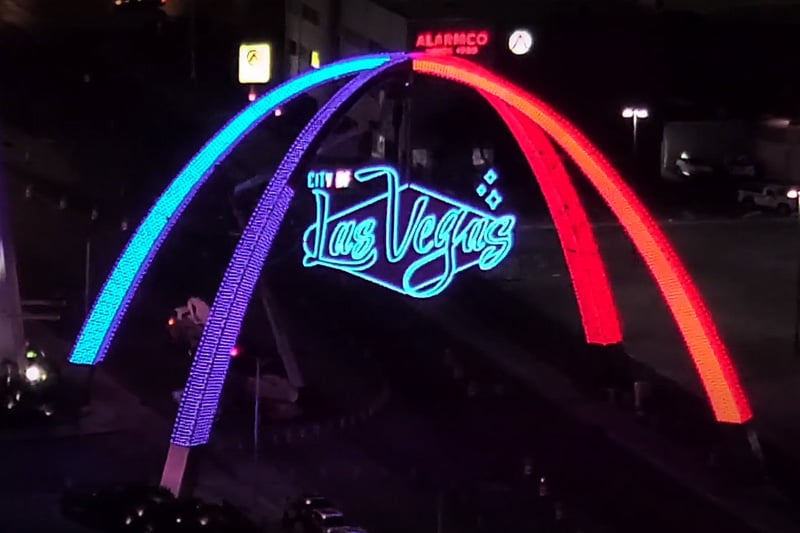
(303,506)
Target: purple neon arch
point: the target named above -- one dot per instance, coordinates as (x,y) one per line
(210,365)
(116,293)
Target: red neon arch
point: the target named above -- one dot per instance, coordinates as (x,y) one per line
(709,354)
(586,268)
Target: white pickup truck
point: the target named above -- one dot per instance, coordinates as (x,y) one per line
(781,198)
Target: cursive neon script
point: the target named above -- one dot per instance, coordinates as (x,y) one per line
(424,244)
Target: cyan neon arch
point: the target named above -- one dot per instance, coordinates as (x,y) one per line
(111,304)
(709,354)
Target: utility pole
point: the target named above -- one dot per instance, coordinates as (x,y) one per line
(12,336)
(440,512)
(256,429)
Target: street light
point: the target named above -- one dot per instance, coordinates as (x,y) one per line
(794,194)
(635,114)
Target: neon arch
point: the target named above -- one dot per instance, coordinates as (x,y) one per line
(203,389)
(709,354)
(712,362)
(578,243)
(112,302)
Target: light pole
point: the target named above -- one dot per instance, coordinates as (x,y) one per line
(794,194)
(193,41)
(635,114)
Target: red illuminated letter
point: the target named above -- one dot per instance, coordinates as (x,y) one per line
(483,38)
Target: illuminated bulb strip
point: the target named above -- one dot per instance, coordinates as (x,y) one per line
(588,273)
(210,365)
(710,356)
(201,395)
(116,294)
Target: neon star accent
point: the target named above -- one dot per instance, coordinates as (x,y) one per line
(99,328)
(420,253)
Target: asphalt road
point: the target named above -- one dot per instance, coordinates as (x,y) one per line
(454,440)
(37,471)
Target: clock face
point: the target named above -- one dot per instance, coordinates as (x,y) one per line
(520,42)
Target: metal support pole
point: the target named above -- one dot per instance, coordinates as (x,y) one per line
(797,293)
(440,512)
(635,133)
(256,429)
(175,468)
(87,277)
(257,410)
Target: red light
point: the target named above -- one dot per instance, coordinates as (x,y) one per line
(251,96)
(171,321)
(235,351)
(709,354)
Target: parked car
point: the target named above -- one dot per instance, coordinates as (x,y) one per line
(692,167)
(781,198)
(301,508)
(325,520)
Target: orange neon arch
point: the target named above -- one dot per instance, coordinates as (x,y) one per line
(709,354)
